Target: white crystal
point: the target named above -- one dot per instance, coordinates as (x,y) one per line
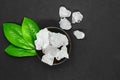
(62,53)
(57,39)
(76,17)
(42,39)
(51,50)
(65,24)
(63,12)
(48,59)
(78,34)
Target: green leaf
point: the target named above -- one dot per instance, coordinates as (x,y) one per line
(29,30)
(19,52)
(13,33)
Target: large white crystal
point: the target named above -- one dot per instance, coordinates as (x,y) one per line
(42,39)
(48,59)
(79,34)
(76,17)
(65,24)
(63,12)
(62,53)
(51,50)
(57,39)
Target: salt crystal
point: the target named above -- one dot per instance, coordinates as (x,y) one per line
(63,12)
(62,53)
(51,50)
(48,59)
(42,40)
(77,17)
(65,24)
(57,39)
(78,34)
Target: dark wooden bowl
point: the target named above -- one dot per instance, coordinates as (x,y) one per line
(57,30)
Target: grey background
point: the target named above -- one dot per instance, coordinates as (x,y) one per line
(97,57)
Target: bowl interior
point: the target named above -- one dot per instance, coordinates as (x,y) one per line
(57,30)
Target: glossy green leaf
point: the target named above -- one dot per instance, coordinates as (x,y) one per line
(29,30)
(19,52)
(13,33)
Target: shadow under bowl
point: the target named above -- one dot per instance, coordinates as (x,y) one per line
(56,30)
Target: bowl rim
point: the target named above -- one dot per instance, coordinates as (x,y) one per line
(69,40)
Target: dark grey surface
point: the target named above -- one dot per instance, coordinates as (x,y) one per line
(97,57)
